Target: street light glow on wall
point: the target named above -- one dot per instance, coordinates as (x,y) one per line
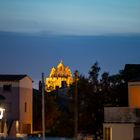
(1,112)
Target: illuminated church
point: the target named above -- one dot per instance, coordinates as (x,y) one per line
(59,77)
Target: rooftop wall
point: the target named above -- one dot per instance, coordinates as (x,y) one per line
(121,114)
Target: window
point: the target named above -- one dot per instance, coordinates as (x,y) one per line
(108,133)
(25,107)
(7,87)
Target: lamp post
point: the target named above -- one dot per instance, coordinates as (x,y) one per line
(76,74)
(43,109)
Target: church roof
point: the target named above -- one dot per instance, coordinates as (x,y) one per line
(61,71)
(61,64)
(60,76)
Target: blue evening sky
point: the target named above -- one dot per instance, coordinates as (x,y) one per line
(36,34)
(80,17)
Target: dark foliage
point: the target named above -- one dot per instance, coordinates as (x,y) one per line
(93,95)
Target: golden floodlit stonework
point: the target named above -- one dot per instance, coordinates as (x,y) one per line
(59,76)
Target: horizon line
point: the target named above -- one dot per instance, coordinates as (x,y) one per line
(44,33)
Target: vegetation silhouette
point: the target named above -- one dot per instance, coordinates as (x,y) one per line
(95,92)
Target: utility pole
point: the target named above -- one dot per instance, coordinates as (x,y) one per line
(76,74)
(43,108)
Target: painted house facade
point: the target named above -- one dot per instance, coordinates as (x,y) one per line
(18,92)
(123,123)
(134,93)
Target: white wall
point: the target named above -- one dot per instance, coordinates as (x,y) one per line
(12,99)
(121,131)
(26,95)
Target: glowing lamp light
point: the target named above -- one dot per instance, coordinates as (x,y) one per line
(1,112)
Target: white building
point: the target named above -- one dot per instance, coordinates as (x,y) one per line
(18,93)
(123,123)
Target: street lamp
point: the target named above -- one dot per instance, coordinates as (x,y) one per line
(76,74)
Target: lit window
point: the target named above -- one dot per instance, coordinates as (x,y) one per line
(108,133)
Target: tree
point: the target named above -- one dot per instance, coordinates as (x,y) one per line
(105,80)
(94,94)
(94,73)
